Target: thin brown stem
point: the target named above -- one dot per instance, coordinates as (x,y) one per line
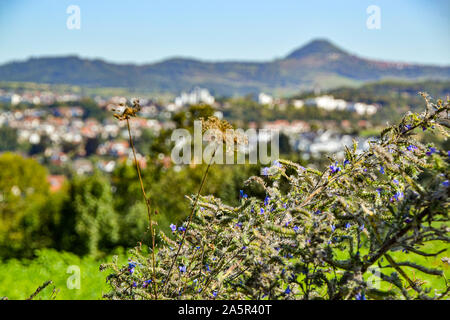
(190,217)
(147,203)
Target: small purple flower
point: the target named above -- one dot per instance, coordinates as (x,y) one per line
(347,225)
(239,224)
(395,181)
(430,151)
(207,268)
(399,195)
(361,227)
(333,228)
(381,169)
(317,212)
(360,296)
(288,290)
(411,147)
(408,220)
(182,229)
(296,229)
(265,171)
(214,293)
(134,284)
(446,183)
(261,211)
(146,283)
(285,205)
(173,227)
(346,162)
(266,200)
(277,163)
(335,168)
(131,266)
(182,268)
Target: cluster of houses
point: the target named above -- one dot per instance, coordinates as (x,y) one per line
(68,125)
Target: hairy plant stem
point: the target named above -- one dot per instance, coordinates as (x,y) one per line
(147,203)
(202,183)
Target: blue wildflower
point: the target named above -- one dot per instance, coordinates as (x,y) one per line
(134,284)
(173,227)
(335,168)
(182,229)
(296,229)
(182,268)
(430,151)
(265,171)
(277,163)
(131,266)
(317,212)
(395,181)
(360,296)
(239,224)
(446,183)
(411,147)
(207,268)
(333,228)
(408,220)
(146,283)
(288,290)
(347,225)
(214,293)
(266,200)
(381,169)
(261,211)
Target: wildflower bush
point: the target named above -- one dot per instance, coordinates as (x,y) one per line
(331,234)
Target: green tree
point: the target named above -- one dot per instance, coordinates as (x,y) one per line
(23,186)
(89,222)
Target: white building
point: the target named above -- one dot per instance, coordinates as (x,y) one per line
(329,103)
(196,96)
(265,98)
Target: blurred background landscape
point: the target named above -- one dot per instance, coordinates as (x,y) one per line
(316,72)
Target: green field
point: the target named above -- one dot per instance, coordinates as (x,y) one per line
(20,278)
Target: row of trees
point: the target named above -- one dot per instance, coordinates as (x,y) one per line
(93,214)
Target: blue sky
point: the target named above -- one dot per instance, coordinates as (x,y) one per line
(140,31)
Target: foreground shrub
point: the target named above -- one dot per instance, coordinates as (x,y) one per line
(332,234)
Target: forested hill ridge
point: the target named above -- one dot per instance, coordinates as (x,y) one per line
(318,63)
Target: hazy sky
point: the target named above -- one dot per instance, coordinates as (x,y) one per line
(141,31)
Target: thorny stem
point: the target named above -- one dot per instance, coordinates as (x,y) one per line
(39,289)
(147,203)
(190,218)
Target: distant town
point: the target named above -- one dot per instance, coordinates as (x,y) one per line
(107,138)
